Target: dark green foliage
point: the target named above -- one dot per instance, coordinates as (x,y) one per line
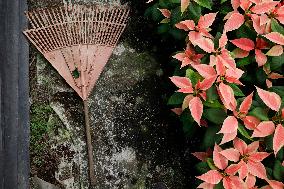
(260,113)
(215,115)
(211,137)
(237,90)
(176,99)
(278,171)
(276,27)
(214,111)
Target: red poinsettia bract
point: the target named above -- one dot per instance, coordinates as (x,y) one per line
(240,165)
(223,173)
(196,94)
(247,157)
(188,57)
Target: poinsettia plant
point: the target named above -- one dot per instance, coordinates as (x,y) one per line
(229,79)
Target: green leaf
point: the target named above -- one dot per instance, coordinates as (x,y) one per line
(215,115)
(165,21)
(178,71)
(254,104)
(278,171)
(202,167)
(163,28)
(260,76)
(279,90)
(176,17)
(277,62)
(236,89)
(211,164)
(280,154)
(269,172)
(225,9)
(276,27)
(244,132)
(205,59)
(194,12)
(211,137)
(156,14)
(176,99)
(164,4)
(223,1)
(177,34)
(245,31)
(189,127)
(213,104)
(244,61)
(260,113)
(267,66)
(248,78)
(219,186)
(216,40)
(268,143)
(193,76)
(148,12)
(175,1)
(211,94)
(205,3)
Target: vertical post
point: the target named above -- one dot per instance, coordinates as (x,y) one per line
(14,119)
(89,144)
(1,139)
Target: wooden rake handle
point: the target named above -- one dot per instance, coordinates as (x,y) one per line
(89,145)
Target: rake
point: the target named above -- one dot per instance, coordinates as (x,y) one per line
(78,41)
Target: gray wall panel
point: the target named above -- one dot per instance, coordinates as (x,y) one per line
(14,170)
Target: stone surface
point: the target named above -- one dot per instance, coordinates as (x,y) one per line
(136,144)
(72,172)
(47,77)
(124,115)
(38,183)
(66,137)
(130,139)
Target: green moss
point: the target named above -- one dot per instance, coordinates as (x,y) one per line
(40,127)
(39,121)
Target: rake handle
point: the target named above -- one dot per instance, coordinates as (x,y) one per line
(89,144)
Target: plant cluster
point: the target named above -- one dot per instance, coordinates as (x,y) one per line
(39,129)
(229,82)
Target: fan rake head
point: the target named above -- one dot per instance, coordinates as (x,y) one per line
(77,40)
